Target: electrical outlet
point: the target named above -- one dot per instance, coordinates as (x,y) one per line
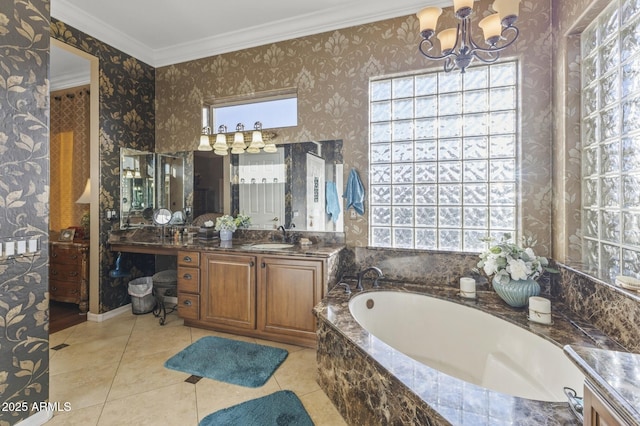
(353,215)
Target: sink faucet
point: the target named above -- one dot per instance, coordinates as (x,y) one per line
(284,233)
(361,275)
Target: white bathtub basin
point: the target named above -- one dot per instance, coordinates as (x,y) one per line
(468,344)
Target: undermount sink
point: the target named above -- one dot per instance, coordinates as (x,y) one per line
(272,246)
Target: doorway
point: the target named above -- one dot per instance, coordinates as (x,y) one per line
(73,160)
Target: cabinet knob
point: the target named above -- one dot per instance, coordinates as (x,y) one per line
(54,272)
(263,265)
(54,288)
(187,276)
(73,274)
(187,302)
(187,259)
(252,264)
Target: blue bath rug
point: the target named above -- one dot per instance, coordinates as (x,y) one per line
(231,361)
(281,408)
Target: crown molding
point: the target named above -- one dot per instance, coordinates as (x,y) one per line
(343,16)
(100,30)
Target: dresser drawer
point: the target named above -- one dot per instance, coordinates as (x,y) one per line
(188,280)
(188,306)
(189,258)
(64,291)
(64,272)
(61,254)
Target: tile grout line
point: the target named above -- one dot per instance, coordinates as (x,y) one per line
(106,399)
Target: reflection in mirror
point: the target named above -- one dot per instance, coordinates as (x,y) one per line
(208,183)
(170,182)
(137,187)
(293,187)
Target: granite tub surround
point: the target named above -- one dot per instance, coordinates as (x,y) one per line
(371,383)
(612,309)
(419,266)
(615,376)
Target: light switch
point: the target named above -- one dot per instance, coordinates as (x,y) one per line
(33,245)
(22,247)
(9,248)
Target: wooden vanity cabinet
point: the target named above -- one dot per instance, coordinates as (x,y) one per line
(597,412)
(270,297)
(289,289)
(229,290)
(69,273)
(189,284)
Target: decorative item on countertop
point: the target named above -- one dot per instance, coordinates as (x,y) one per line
(468,288)
(629,283)
(515,270)
(207,231)
(227,225)
(305,242)
(540,310)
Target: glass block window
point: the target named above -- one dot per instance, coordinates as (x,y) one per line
(443,158)
(611,141)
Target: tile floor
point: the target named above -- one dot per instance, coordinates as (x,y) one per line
(112,373)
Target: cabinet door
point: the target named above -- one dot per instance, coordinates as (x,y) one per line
(597,412)
(289,289)
(228,290)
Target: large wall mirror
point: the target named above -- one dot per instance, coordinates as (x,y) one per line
(294,187)
(290,187)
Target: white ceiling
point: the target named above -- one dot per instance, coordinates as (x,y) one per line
(164,32)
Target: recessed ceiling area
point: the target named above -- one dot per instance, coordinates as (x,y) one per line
(164,32)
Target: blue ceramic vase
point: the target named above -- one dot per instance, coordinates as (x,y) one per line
(516,292)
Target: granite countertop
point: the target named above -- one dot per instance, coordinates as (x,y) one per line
(564,331)
(148,239)
(614,374)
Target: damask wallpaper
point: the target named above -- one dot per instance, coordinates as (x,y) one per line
(331,72)
(127,120)
(24,196)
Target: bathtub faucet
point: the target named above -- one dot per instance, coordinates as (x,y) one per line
(361,275)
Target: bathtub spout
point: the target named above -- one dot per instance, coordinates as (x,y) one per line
(361,275)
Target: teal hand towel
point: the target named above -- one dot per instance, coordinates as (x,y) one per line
(354,192)
(333,203)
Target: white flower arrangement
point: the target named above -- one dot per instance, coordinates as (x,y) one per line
(229,223)
(508,261)
(243,221)
(226,223)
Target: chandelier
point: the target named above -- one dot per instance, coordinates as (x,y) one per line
(457,47)
(239,141)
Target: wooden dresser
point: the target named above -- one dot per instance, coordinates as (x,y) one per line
(69,273)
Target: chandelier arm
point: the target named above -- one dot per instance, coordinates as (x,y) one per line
(435,58)
(491,49)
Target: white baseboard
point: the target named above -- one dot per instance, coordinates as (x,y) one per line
(39,418)
(108,315)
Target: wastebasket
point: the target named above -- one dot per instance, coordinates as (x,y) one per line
(142,299)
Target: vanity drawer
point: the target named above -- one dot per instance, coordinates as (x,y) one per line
(189,258)
(188,306)
(188,279)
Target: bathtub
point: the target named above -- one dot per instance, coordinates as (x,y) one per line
(468,344)
(429,357)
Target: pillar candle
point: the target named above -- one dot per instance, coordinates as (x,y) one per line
(468,287)
(540,310)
